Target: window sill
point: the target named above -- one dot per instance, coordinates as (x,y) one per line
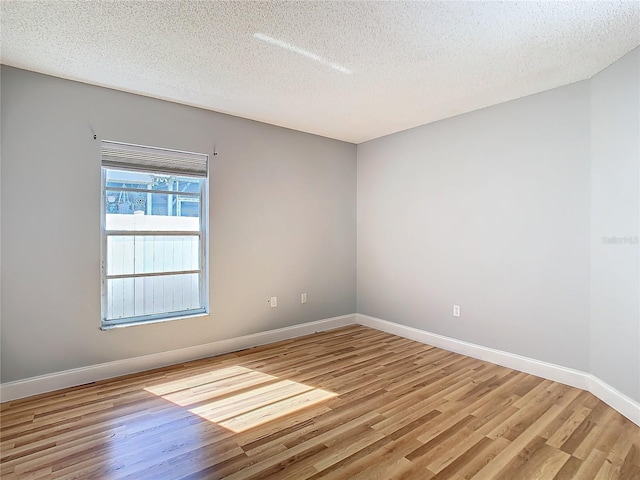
(105,328)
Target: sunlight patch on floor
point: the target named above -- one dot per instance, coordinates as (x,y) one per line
(239,398)
(208,386)
(196,380)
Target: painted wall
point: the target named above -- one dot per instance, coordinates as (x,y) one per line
(490,211)
(615,206)
(283,222)
(526,214)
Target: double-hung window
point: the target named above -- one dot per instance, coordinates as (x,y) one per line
(154,234)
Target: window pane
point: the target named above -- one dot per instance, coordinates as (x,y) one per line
(135,297)
(127,255)
(151,181)
(154,203)
(133,211)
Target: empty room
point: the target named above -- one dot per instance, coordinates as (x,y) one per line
(314,239)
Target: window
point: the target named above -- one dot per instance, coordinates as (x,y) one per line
(154,234)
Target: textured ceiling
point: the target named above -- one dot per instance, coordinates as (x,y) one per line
(347,70)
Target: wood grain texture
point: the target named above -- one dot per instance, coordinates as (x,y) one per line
(348,403)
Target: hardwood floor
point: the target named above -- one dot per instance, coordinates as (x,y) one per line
(348,403)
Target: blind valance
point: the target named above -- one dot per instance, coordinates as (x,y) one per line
(136,157)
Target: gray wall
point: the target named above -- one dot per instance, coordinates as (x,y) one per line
(505,211)
(283,222)
(489,211)
(615,205)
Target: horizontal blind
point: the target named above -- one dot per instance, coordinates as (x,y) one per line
(136,157)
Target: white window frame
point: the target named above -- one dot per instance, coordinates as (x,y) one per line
(202,233)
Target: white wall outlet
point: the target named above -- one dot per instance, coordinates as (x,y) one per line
(303,298)
(456,310)
(273,302)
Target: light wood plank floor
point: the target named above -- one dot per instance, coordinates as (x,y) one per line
(348,403)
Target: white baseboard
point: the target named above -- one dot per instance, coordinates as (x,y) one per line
(615,399)
(79,376)
(575,378)
(567,376)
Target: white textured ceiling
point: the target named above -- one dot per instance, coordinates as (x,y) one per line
(347,70)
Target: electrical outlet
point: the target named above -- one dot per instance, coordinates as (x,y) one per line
(274,302)
(456,310)
(303,298)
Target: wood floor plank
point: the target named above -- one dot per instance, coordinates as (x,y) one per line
(351,403)
(591,465)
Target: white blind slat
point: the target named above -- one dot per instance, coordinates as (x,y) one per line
(136,157)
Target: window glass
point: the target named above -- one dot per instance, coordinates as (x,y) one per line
(154,245)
